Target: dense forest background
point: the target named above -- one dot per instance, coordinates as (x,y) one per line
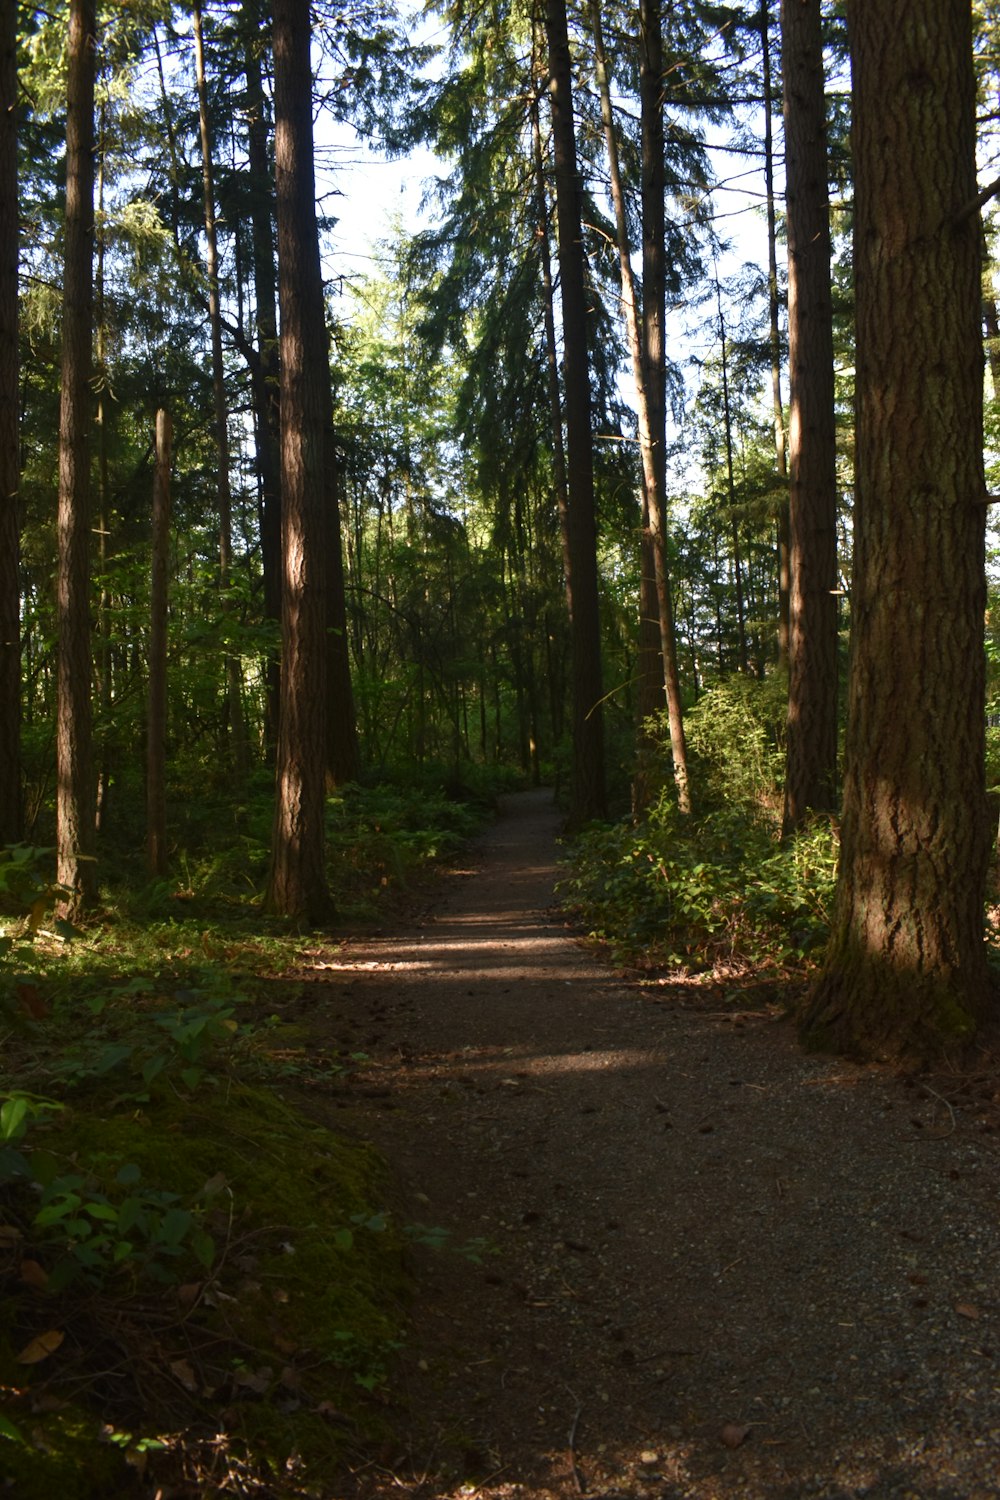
(656,464)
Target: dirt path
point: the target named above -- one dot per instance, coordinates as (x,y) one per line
(725,1269)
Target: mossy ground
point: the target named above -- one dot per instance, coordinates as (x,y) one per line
(262,1360)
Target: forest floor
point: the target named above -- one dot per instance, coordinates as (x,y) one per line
(709,1265)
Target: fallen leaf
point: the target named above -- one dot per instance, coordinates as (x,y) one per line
(254,1380)
(733,1434)
(41,1347)
(183,1372)
(187,1295)
(968,1310)
(9,1234)
(33,1274)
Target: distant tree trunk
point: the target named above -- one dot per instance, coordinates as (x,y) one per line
(234,689)
(649,373)
(265,371)
(343,756)
(811,761)
(75,807)
(906,966)
(10,591)
(156,724)
(734,530)
(559,481)
(298,885)
(588,795)
(653,366)
(774,340)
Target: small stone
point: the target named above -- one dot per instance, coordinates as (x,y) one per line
(649,1456)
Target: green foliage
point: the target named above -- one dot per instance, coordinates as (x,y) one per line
(720,890)
(735,737)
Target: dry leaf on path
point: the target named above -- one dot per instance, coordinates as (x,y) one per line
(734,1434)
(41,1347)
(968,1310)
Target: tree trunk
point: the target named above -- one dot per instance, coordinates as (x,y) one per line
(811,761)
(588,795)
(774,341)
(652,366)
(10,591)
(734,530)
(906,967)
(298,886)
(156,724)
(234,690)
(343,756)
(74,752)
(648,372)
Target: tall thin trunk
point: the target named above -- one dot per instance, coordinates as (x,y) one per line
(589,798)
(298,885)
(265,373)
(75,866)
(811,760)
(652,365)
(734,530)
(343,756)
(11,816)
(234,690)
(648,373)
(774,341)
(156,723)
(559,481)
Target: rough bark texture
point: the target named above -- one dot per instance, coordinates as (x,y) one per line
(906,969)
(298,885)
(811,761)
(156,724)
(10,628)
(588,789)
(75,789)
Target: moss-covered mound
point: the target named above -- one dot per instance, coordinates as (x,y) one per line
(211,1284)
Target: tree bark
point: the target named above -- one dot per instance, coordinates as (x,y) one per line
(588,794)
(298,885)
(10,592)
(906,967)
(811,759)
(75,868)
(343,754)
(156,723)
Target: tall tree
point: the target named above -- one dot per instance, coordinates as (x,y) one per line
(298,886)
(156,724)
(811,763)
(774,342)
(588,790)
(906,967)
(75,810)
(234,699)
(10,614)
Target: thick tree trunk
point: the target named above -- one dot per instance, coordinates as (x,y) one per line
(906,967)
(234,688)
(588,795)
(156,724)
(10,618)
(811,761)
(298,885)
(74,752)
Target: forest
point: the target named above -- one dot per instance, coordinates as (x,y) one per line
(654,466)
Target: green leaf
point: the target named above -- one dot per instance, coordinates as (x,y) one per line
(343,1239)
(128,1175)
(191,1077)
(9,1431)
(12,1117)
(203,1246)
(174,1226)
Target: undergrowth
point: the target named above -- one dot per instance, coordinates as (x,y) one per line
(716,888)
(200,1284)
